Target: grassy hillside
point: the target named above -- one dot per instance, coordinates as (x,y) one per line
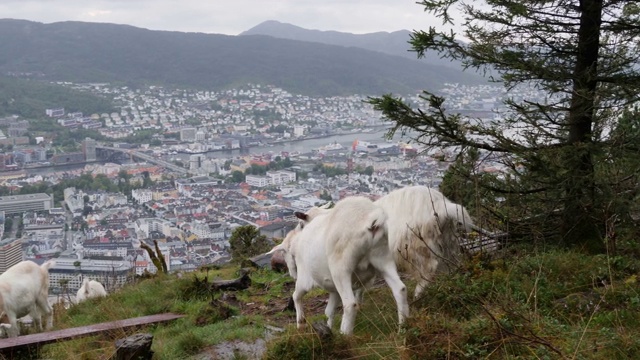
(89,52)
(519,304)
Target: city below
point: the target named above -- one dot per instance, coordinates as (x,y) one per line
(217,161)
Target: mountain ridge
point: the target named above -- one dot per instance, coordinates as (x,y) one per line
(392,43)
(98,52)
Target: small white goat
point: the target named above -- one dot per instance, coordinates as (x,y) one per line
(423,231)
(342,249)
(24,289)
(90,289)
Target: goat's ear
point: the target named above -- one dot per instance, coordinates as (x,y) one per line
(301,215)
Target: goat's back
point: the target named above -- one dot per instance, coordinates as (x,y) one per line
(343,237)
(355,224)
(422,225)
(21,285)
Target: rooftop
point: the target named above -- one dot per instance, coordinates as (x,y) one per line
(14,198)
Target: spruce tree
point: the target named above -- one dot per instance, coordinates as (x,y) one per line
(558,148)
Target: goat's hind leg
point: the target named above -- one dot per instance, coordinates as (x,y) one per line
(387,268)
(342,281)
(302,288)
(45,310)
(330,310)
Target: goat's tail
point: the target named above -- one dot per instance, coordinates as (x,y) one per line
(48,265)
(280,246)
(85,285)
(377,222)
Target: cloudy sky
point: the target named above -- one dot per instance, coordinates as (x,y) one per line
(229,17)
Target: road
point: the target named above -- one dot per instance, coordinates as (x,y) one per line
(149,158)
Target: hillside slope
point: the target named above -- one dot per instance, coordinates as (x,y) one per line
(91,52)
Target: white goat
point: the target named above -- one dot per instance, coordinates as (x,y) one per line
(340,250)
(24,289)
(423,227)
(90,289)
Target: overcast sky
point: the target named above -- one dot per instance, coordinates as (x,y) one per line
(229,17)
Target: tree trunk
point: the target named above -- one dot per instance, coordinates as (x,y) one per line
(579,226)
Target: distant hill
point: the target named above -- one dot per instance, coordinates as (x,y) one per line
(30,99)
(96,52)
(392,43)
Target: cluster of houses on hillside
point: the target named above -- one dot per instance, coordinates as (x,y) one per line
(99,234)
(193,218)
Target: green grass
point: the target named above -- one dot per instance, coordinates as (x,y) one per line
(208,319)
(521,304)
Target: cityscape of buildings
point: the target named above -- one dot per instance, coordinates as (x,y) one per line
(98,233)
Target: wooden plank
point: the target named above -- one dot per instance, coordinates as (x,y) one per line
(64,334)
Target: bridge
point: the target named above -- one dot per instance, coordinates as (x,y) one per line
(134,153)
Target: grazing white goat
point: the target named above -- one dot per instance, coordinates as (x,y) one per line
(423,231)
(90,289)
(340,250)
(24,289)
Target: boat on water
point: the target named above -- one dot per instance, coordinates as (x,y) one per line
(332,146)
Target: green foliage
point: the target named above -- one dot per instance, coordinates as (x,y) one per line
(279,129)
(227,164)
(256,169)
(246,241)
(268,115)
(557,155)
(206,321)
(552,304)
(157,258)
(30,99)
(526,303)
(308,345)
(71,138)
(330,171)
(237,176)
(277,164)
(85,181)
(189,343)
(141,136)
